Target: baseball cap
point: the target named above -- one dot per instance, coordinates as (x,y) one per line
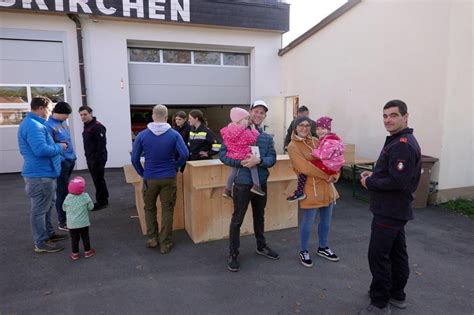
(259,103)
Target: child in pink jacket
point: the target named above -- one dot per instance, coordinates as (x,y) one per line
(329,155)
(238,136)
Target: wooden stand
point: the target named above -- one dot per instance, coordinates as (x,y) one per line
(208,213)
(133,178)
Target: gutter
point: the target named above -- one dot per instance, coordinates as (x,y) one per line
(80,51)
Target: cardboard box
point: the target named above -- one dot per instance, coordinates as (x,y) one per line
(349,153)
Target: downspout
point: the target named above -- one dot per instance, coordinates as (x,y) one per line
(75,18)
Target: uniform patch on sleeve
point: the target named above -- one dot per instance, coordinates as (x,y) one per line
(400,165)
(403,139)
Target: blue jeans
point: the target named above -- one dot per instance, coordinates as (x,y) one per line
(309,216)
(61,191)
(42,193)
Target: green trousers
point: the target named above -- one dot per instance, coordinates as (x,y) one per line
(166,189)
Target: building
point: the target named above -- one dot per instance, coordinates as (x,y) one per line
(368,52)
(121,56)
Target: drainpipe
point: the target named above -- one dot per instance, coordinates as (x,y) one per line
(75,18)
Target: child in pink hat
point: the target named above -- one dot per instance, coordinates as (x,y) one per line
(329,155)
(238,136)
(77,206)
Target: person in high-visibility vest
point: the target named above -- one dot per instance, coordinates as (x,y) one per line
(202,141)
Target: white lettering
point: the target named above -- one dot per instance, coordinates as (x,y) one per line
(127,6)
(40,3)
(7,3)
(153,7)
(59,5)
(82,3)
(103,9)
(182,10)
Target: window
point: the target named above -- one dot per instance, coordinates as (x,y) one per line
(215,58)
(14,95)
(12,116)
(54,93)
(207,58)
(233,59)
(13,104)
(144,55)
(15,100)
(176,56)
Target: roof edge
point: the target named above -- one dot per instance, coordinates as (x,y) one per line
(324,22)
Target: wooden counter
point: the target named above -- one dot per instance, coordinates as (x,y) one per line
(132,177)
(207,214)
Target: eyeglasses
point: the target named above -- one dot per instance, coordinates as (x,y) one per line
(304,125)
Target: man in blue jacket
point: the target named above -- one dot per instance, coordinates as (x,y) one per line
(42,165)
(59,130)
(243,184)
(391,185)
(160,144)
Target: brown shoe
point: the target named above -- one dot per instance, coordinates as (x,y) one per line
(165,249)
(152,242)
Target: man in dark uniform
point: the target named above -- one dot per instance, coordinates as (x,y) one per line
(392,185)
(95,143)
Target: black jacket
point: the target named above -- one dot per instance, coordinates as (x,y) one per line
(95,142)
(202,139)
(396,176)
(184,131)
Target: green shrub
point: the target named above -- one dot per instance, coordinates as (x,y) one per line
(464,206)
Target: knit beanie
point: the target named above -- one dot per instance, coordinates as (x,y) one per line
(62,108)
(77,185)
(237,114)
(324,122)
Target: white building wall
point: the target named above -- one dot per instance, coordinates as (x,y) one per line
(383,50)
(457,156)
(106,65)
(36,22)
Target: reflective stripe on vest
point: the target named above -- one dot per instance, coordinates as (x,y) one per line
(197,135)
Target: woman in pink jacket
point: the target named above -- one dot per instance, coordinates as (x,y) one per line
(238,136)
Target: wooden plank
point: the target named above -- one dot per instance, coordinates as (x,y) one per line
(207,213)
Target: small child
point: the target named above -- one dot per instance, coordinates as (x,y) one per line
(329,155)
(238,137)
(77,206)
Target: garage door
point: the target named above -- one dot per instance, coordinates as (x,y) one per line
(28,68)
(193,77)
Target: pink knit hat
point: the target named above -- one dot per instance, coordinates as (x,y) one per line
(324,122)
(237,114)
(77,185)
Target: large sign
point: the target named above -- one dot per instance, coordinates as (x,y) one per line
(268,14)
(149,9)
